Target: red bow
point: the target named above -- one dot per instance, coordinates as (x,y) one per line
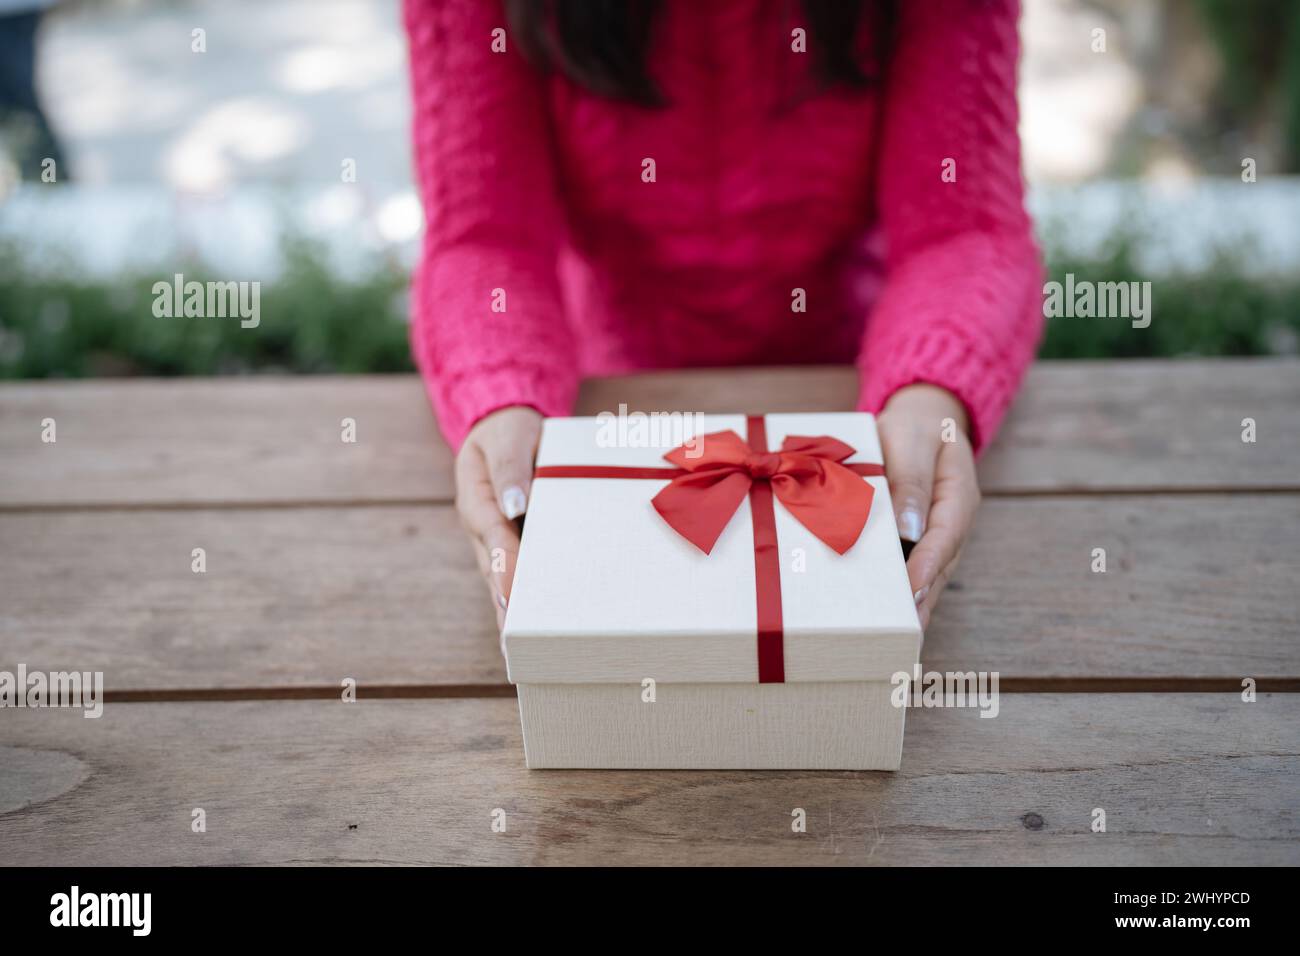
(826,497)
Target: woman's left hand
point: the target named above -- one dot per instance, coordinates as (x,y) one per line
(932,482)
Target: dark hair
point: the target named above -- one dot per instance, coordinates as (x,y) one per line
(602,45)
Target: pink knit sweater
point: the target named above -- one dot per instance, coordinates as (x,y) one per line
(548,256)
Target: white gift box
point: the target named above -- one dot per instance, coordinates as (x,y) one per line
(632,648)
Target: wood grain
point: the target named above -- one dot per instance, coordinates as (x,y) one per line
(1183,779)
(1196,586)
(328,560)
(151,442)
(1150,425)
(289,597)
(1093,426)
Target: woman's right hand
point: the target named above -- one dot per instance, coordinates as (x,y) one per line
(494,472)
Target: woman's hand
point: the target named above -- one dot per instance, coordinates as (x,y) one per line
(932,482)
(494,474)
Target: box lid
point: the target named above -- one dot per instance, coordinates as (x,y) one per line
(606,591)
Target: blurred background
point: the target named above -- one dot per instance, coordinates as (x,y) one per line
(215,138)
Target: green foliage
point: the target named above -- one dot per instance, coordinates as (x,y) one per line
(1220,311)
(310,321)
(313,321)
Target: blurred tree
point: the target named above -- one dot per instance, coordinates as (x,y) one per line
(1258,90)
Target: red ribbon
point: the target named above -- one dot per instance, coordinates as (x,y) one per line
(807,476)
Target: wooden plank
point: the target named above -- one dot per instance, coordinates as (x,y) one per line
(1077,426)
(289,597)
(1183,779)
(1195,586)
(1150,425)
(219,440)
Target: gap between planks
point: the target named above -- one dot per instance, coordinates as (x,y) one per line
(1011,685)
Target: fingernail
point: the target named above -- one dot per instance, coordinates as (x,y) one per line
(501,600)
(910,524)
(919,596)
(513,501)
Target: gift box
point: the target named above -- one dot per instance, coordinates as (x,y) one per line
(738,601)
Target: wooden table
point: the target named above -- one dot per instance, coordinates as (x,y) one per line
(327,560)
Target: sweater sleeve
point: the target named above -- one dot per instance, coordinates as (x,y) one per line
(961,306)
(488,328)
